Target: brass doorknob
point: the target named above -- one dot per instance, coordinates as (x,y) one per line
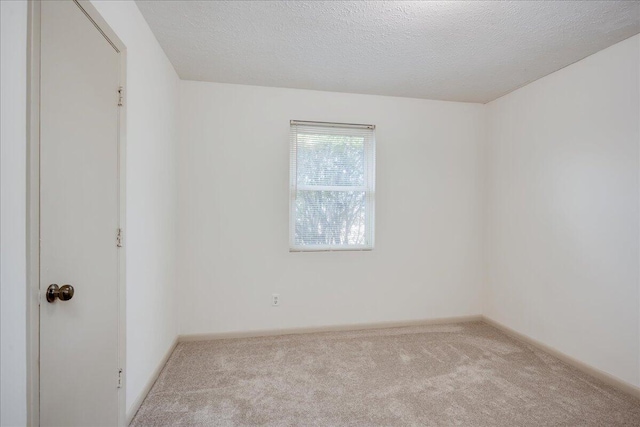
(63,293)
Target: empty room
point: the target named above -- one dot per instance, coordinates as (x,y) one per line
(319,213)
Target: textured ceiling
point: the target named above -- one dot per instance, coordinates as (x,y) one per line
(471,51)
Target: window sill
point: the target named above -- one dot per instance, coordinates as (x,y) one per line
(330,248)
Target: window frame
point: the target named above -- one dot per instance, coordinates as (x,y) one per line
(368,188)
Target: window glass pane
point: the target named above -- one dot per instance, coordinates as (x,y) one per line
(325,159)
(330,218)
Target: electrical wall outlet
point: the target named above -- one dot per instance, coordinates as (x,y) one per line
(275,300)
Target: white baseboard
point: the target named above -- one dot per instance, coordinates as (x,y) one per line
(334,328)
(606,378)
(152,380)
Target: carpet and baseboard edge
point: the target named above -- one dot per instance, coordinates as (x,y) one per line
(333,328)
(588,369)
(605,377)
(584,367)
(131,413)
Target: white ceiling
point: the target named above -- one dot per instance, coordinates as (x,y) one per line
(472,51)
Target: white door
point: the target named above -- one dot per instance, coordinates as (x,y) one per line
(79,194)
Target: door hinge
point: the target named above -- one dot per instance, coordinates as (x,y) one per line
(119,378)
(120,96)
(119,238)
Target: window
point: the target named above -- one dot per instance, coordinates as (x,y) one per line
(332,186)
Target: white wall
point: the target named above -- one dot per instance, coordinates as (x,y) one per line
(564,217)
(150,235)
(233,180)
(13,172)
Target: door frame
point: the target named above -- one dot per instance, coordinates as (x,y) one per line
(33,206)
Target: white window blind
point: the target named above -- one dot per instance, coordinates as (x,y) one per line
(332,186)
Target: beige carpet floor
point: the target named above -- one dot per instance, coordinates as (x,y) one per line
(467,374)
